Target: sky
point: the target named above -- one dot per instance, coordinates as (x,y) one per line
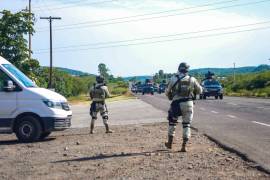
(140,37)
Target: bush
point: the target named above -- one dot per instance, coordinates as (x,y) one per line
(119,91)
(253,84)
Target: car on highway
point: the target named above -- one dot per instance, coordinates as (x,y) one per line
(211,87)
(133,88)
(139,88)
(161,88)
(148,89)
(27,110)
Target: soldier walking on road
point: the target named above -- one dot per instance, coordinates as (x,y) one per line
(181,90)
(98,93)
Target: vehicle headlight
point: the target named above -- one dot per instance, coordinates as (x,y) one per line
(53,104)
(205,90)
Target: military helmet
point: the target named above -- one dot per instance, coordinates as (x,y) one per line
(183,67)
(100,79)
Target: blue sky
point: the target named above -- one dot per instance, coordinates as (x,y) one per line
(204,49)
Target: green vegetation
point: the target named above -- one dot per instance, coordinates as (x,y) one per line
(73,72)
(224,72)
(118,88)
(252,84)
(13,46)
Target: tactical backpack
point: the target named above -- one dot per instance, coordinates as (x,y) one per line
(98,93)
(183,87)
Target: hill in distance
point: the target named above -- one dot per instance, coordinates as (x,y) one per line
(218,71)
(194,72)
(229,71)
(137,78)
(74,72)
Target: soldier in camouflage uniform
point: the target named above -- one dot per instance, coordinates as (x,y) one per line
(182,89)
(98,93)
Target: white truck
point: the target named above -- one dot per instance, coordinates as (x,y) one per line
(27,110)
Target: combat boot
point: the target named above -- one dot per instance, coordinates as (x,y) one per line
(92,128)
(108,129)
(184,145)
(169,143)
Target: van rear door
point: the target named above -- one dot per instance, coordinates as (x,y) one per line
(8,102)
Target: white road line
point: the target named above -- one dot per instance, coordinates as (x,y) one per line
(263,108)
(261,123)
(202,109)
(233,104)
(231,116)
(215,112)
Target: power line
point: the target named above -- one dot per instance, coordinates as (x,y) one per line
(97,23)
(158,37)
(161,41)
(154,13)
(55,4)
(86,3)
(70,6)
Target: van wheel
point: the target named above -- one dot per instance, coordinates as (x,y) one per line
(204,96)
(216,97)
(28,129)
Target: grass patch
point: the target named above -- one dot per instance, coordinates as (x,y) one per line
(86,99)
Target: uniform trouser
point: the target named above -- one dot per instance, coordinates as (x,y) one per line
(187,116)
(99,107)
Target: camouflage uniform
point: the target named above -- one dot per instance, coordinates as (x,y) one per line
(182,105)
(99,105)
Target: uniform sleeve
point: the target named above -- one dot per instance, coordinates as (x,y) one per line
(107,93)
(90,93)
(169,88)
(197,87)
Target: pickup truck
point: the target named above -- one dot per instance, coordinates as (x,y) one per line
(211,87)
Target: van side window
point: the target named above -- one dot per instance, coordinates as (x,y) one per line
(3,78)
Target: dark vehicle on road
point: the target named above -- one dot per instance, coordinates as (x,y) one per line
(148,89)
(162,88)
(211,87)
(139,88)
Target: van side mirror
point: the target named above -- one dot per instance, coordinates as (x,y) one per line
(9,86)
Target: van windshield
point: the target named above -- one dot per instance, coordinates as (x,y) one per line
(19,75)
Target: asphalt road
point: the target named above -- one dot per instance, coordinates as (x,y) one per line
(242,124)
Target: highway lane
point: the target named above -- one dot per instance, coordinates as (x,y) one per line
(239,123)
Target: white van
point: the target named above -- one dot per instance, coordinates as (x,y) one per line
(32,113)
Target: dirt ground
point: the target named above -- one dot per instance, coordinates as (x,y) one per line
(131,152)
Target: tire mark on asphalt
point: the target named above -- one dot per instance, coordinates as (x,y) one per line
(215,112)
(231,116)
(261,123)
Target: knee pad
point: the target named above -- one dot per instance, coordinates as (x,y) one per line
(172,121)
(105,117)
(185,125)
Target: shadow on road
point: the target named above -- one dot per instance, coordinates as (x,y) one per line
(14,142)
(103,156)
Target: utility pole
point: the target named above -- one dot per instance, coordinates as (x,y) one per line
(29,33)
(50,18)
